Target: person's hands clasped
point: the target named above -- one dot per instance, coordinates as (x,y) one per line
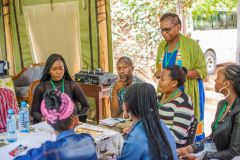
(185,153)
(185,150)
(188,157)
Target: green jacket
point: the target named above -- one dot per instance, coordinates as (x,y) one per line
(193,59)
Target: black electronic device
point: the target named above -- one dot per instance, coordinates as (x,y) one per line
(82,118)
(4,68)
(96,77)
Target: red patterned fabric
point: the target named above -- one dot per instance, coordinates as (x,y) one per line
(7,100)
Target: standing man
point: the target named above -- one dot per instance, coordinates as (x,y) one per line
(183,51)
(125,72)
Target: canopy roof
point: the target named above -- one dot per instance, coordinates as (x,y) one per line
(80,30)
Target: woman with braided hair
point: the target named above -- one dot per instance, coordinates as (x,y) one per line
(226,125)
(149,138)
(58,109)
(56,76)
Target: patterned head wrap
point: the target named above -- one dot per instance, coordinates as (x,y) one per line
(56,106)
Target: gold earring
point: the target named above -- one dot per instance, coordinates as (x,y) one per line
(128,119)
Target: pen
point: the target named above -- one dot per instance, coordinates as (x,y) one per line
(117,119)
(20,148)
(105,138)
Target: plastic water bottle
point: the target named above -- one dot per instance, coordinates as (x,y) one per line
(11,126)
(24,117)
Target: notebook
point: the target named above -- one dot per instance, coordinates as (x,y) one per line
(111,121)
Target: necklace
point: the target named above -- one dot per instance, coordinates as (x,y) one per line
(171,97)
(166,53)
(221,113)
(55,88)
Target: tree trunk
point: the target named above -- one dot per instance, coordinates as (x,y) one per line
(238,34)
(181,12)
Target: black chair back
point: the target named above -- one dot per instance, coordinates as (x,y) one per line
(192,131)
(82,118)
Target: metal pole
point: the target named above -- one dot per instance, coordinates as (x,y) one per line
(18,35)
(4,32)
(238,34)
(90,33)
(98,48)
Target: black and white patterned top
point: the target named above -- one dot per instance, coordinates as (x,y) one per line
(177,114)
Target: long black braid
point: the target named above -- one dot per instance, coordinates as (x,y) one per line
(142,102)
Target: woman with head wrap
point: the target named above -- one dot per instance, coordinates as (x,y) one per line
(58,109)
(56,76)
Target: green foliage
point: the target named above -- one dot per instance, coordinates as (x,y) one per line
(136,27)
(201,7)
(136,20)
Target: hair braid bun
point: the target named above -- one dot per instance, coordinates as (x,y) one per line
(56,106)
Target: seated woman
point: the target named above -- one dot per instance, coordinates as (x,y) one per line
(175,107)
(58,110)
(226,125)
(149,138)
(56,76)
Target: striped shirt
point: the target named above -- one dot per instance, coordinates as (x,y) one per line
(178,115)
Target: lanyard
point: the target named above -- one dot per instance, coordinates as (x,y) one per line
(54,87)
(173,95)
(221,114)
(166,54)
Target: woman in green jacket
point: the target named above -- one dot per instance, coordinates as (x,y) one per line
(183,51)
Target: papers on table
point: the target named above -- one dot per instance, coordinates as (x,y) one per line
(209,147)
(111,121)
(92,132)
(108,142)
(200,155)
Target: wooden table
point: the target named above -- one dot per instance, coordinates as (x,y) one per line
(98,92)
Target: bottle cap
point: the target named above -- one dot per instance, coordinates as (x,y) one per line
(10,111)
(24,104)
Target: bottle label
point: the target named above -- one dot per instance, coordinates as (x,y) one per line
(11,128)
(24,121)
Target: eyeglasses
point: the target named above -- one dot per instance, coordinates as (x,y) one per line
(167,30)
